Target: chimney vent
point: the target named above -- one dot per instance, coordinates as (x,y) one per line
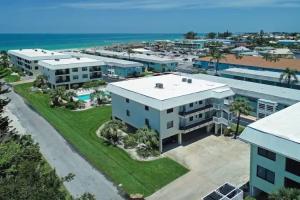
(159,85)
(189,80)
(56,59)
(184,79)
(78,58)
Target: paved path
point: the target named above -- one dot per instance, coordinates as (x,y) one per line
(212,162)
(60,155)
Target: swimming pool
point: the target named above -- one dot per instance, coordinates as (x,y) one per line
(84,97)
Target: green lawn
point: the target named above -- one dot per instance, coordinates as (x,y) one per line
(12,78)
(79,129)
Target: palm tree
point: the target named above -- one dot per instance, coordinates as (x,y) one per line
(40,81)
(216,55)
(239,106)
(56,95)
(285,194)
(129,52)
(238,56)
(289,76)
(4,61)
(111,132)
(271,57)
(190,35)
(99,95)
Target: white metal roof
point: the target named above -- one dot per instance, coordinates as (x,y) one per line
(279,132)
(70,63)
(241,48)
(37,54)
(256,90)
(174,93)
(258,74)
(108,61)
(137,57)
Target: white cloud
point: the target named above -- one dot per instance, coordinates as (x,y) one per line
(180,4)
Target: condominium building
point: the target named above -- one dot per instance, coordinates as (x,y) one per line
(70,71)
(151,62)
(275,151)
(27,59)
(171,105)
(113,67)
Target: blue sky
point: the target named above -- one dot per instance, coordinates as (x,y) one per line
(148,16)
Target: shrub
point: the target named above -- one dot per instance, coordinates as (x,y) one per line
(93,84)
(148,137)
(143,151)
(111,132)
(241,128)
(72,105)
(250,198)
(129,142)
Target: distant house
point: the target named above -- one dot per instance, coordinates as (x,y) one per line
(280,53)
(239,50)
(275,151)
(249,62)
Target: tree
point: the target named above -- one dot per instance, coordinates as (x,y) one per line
(148,137)
(289,76)
(216,55)
(56,95)
(111,131)
(99,95)
(239,106)
(4,61)
(211,35)
(129,52)
(40,81)
(238,56)
(190,35)
(285,194)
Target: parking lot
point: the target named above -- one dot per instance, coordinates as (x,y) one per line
(212,160)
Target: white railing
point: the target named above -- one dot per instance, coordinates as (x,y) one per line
(220,120)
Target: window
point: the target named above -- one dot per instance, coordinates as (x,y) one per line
(85,75)
(191,118)
(265,174)
(147,122)
(266,153)
(75,77)
(191,105)
(170,124)
(36,61)
(128,113)
(200,115)
(36,67)
(200,102)
(288,183)
(84,69)
(127,100)
(146,107)
(170,110)
(292,166)
(75,70)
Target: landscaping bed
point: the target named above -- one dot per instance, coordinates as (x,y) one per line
(79,128)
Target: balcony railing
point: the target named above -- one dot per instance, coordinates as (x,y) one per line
(95,69)
(62,72)
(63,80)
(220,120)
(95,75)
(183,113)
(196,125)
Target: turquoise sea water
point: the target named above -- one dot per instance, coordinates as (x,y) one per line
(66,41)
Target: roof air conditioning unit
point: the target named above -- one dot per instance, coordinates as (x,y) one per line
(56,59)
(159,85)
(184,79)
(189,80)
(77,58)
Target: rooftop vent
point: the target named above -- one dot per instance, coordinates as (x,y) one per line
(184,79)
(159,85)
(56,59)
(189,80)
(52,53)
(77,58)
(35,50)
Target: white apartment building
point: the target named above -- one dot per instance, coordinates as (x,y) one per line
(70,71)
(27,59)
(171,105)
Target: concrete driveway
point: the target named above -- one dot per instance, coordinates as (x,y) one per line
(212,160)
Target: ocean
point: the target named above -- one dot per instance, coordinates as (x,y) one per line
(68,41)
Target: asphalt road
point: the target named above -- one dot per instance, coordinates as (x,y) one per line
(60,154)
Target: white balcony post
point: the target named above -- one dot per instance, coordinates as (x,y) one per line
(180,138)
(160,145)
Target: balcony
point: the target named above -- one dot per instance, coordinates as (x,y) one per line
(95,69)
(184,113)
(62,72)
(220,120)
(63,80)
(95,75)
(196,126)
